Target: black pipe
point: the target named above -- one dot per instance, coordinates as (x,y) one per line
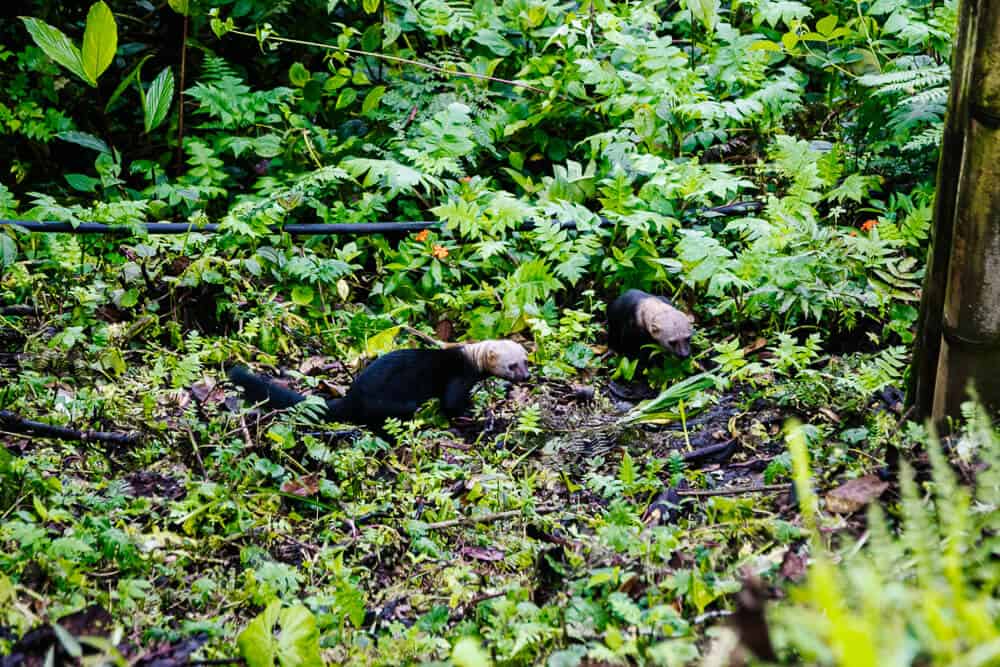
(311,229)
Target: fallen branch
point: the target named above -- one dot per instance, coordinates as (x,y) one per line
(18,310)
(16,424)
(486,518)
(735,490)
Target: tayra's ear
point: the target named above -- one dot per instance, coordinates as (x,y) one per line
(491,358)
(690,317)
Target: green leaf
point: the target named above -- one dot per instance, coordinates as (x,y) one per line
(100,40)
(298,643)
(706,11)
(84,139)
(381,342)
(469,653)
(182,7)
(371,6)
(790,40)
(372,99)
(82,182)
(302,295)
(156,101)
(268,145)
(57,46)
(765,45)
(68,641)
(133,75)
(346,97)
(627,471)
(8,251)
(298,74)
(256,643)
(826,25)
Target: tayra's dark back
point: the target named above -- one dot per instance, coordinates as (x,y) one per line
(398,383)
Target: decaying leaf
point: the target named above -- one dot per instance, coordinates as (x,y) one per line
(855,494)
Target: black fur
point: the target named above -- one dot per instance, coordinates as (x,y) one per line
(625,336)
(394,385)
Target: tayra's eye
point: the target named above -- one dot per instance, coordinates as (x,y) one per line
(512,367)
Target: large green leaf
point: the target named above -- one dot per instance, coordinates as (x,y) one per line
(256,642)
(57,46)
(298,643)
(100,40)
(156,101)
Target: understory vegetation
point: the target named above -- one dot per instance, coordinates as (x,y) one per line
(768,165)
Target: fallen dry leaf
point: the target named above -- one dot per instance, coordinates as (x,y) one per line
(793,566)
(855,494)
(311,365)
(208,391)
(489,554)
(303,487)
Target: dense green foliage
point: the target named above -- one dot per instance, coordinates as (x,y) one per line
(632,120)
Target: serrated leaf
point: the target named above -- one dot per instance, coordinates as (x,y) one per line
(57,46)
(100,40)
(372,99)
(8,251)
(156,101)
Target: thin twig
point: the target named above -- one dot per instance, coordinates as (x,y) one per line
(735,490)
(485,518)
(395,59)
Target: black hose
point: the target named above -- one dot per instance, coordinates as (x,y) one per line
(320,229)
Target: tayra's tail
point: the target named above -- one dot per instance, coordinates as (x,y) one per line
(258,389)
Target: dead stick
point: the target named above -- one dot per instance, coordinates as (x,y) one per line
(735,490)
(485,518)
(17,424)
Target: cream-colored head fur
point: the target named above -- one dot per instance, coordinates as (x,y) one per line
(502,358)
(668,326)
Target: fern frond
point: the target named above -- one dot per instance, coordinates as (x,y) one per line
(215,68)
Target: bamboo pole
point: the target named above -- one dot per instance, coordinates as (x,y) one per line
(970,332)
(927,347)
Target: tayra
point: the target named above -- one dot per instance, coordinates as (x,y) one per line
(398,383)
(636,319)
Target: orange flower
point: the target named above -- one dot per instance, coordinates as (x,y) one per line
(440,251)
(422,235)
(854,232)
(466,179)
(869,225)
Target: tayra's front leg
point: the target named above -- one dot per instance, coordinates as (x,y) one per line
(455,401)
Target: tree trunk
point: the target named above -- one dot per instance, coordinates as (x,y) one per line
(970,323)
(927,348)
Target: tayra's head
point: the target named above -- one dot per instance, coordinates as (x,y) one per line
(668,326)
(501,358)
